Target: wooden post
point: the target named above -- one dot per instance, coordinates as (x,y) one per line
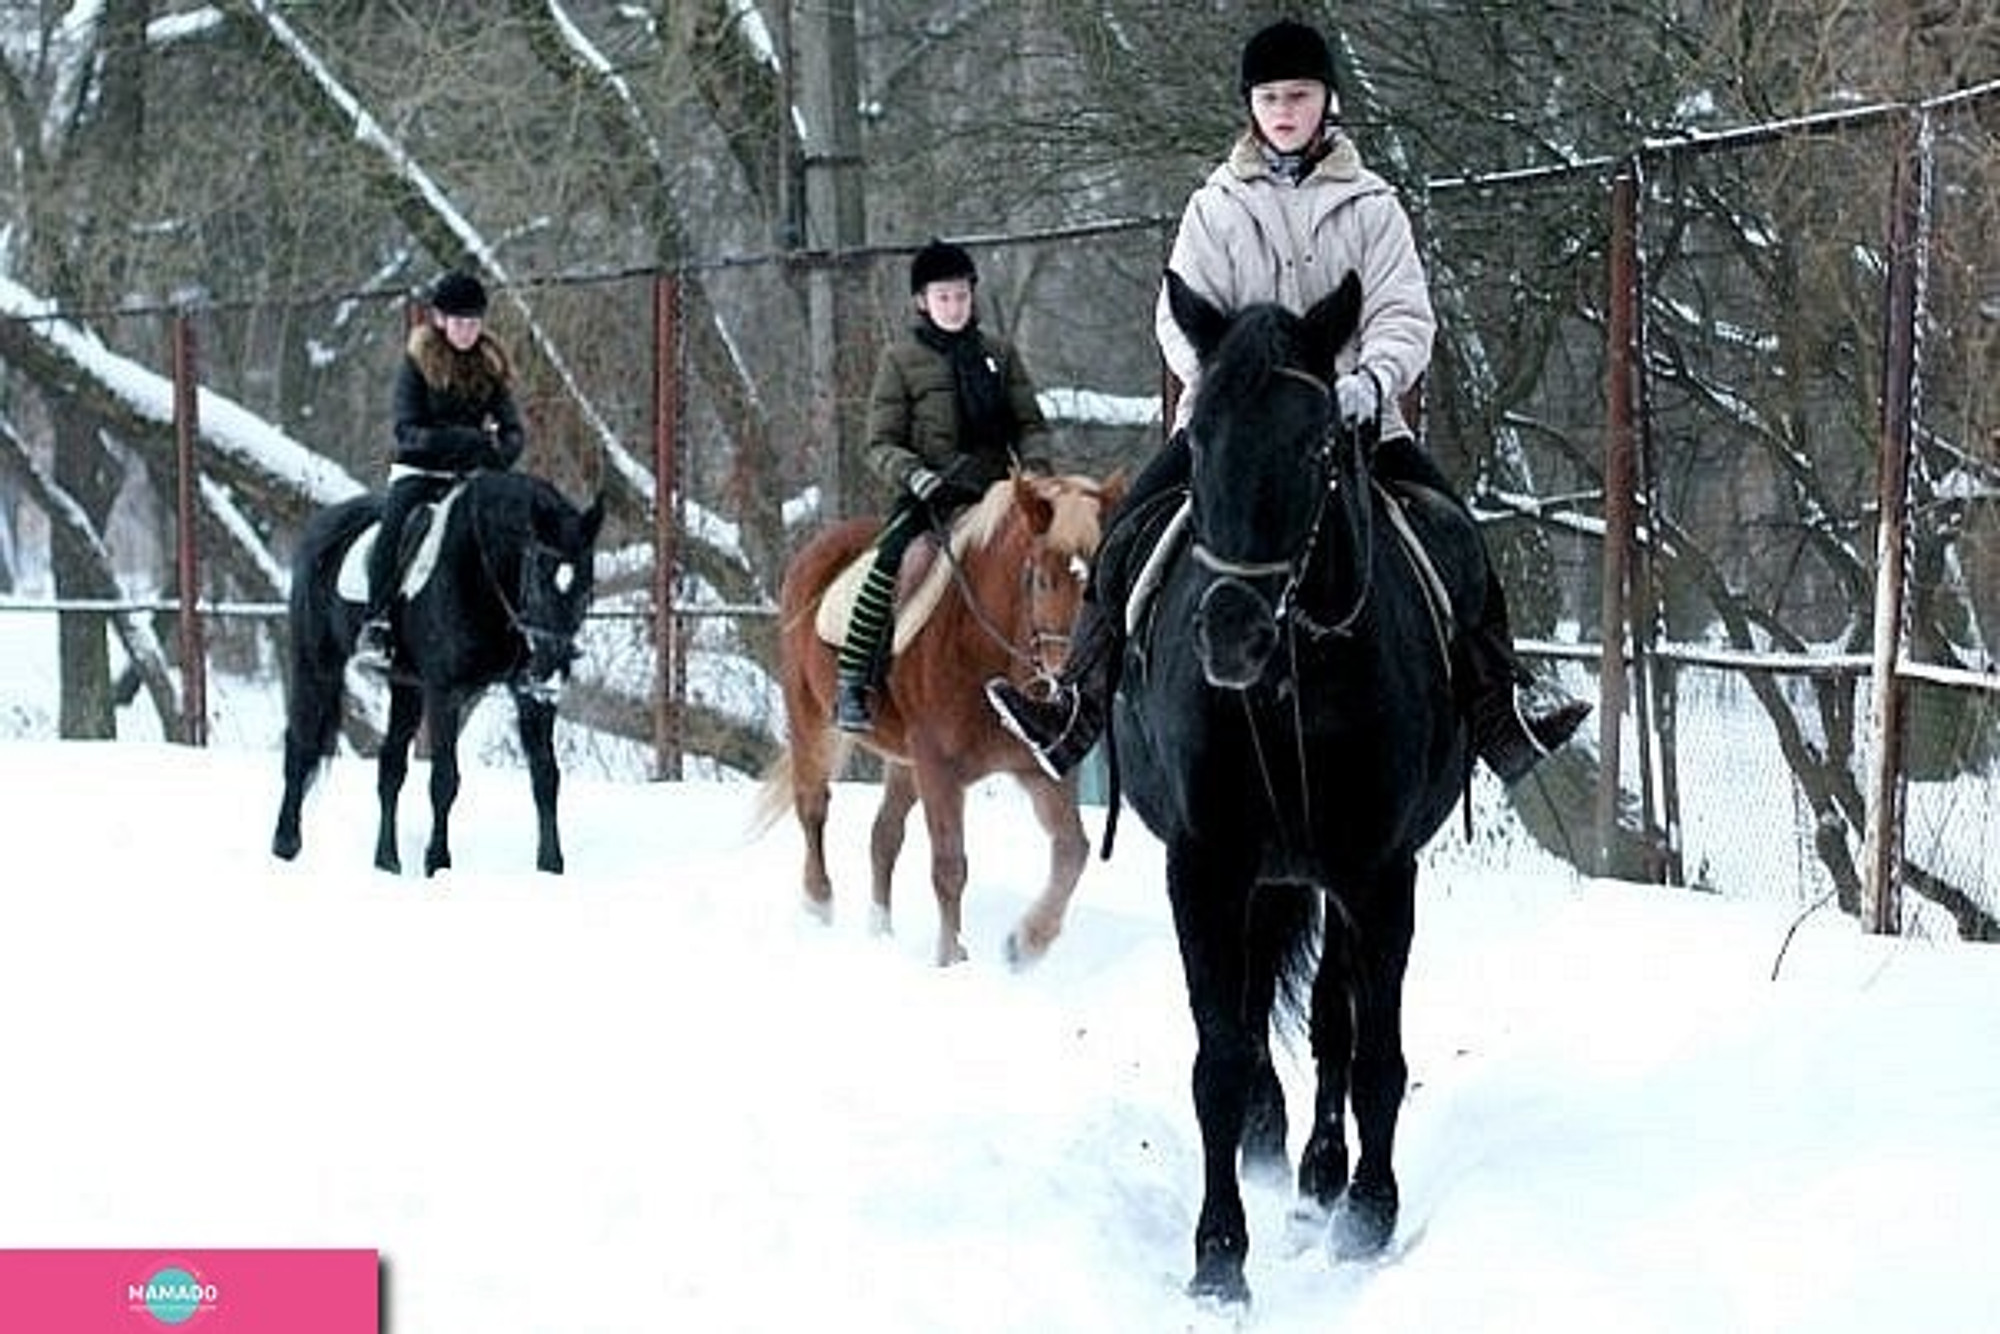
(1620,481)
(670,683)
(1881,910)
(193,643)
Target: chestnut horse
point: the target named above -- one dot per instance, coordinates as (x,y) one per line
(1012,593)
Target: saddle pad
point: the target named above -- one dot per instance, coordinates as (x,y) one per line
(352,581)
(1155,568)
(836,605)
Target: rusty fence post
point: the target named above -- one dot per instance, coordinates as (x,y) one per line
(1881,909)
(1620,483)
(670,670)
(193,642)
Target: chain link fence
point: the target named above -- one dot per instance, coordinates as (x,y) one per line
(1745,619)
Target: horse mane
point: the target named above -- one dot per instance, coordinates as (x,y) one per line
(1077,525)
(1259,341)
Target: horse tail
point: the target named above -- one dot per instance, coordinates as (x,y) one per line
(1284,937)
(774,794)
(777,790)
(322,629)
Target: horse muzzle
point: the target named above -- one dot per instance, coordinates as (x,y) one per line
(1235,634)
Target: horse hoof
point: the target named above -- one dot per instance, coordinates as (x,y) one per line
(1218,1279)
(1023,953)
(285,846)
(1363,1222)
(553,865)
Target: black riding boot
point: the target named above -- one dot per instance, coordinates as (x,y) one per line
(1516,718)
(868,630)
(1061,729)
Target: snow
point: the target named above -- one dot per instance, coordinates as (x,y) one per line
(652,1094)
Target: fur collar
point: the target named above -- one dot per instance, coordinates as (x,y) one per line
(476,374)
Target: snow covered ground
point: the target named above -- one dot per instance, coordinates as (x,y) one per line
(650,1095)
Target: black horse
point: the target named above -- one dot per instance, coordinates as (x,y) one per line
(1287,725)
(502,606)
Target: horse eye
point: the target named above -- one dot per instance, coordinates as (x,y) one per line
(1079,569)
(564,576)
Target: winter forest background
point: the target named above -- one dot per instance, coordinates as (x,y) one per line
(276,181)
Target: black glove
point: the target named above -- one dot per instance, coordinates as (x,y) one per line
(940,490)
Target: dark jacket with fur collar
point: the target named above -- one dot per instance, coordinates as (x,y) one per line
(455,410)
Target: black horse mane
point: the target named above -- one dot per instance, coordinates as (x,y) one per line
(1260,341)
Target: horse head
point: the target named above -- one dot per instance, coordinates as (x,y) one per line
(1267,458)
(1063,518)
(553,586)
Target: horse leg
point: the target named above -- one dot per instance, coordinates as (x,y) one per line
(1323,1164)
(1381,951)
(1209,918)
(944,818)
(406,711)
(885,839)
(445,715)
(537,720)
(1069,849)
(302,761)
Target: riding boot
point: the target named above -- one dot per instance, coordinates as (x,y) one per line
(1060,730)
(1516,718)
(861,651)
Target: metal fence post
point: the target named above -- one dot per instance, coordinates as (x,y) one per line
(670,683)
(1620,482)
(193,642)
(1881,910)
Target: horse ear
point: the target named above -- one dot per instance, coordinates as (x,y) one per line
(1032,498)
(1203,324)
(1332,320)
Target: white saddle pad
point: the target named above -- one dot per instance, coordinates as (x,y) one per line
(352,582)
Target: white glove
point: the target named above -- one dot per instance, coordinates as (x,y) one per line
(1360,399)
(922,482)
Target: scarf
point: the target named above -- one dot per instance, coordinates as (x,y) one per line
(986,424)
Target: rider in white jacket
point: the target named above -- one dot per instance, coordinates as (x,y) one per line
(1284,218)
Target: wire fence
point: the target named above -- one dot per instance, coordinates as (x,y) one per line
(1703,494)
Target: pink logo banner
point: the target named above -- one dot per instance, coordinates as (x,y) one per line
(202,1292)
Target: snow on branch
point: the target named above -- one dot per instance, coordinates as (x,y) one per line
(247,444)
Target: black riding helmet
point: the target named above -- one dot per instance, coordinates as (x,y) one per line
(459,293)
(938,262)
(1285,50)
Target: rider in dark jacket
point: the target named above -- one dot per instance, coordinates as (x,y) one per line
(947,415)
(454,413)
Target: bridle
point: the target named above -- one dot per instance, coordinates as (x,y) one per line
(1336,464)
(533,636)
(1045,636)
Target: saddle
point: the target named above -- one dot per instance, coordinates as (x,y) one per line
(1160,534)
(920,586)
(423,537)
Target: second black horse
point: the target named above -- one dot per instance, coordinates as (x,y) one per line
(503,606)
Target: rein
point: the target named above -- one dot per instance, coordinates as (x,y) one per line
(1038,637)
(1337,463)
(530,634)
